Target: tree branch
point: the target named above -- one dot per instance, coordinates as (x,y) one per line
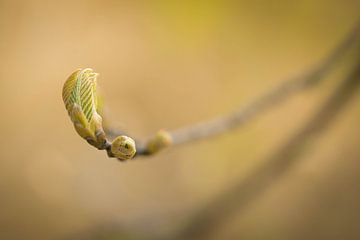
(253,109)
(84,105)
(237,198)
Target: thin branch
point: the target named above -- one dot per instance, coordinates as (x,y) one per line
(277,95)
(270,99)
(237,198)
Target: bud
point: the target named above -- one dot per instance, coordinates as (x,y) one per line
(161,140)
(80,99)
(123,148)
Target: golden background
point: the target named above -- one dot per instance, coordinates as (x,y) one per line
(166,64)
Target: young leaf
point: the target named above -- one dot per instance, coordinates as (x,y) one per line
(80,99)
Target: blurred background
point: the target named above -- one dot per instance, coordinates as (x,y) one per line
(167,64)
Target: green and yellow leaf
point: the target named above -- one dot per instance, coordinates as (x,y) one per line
(80,99)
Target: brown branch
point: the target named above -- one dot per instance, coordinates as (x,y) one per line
(277,95)
(220,125)
(237,198)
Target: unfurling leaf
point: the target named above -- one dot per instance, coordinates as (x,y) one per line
(80,99)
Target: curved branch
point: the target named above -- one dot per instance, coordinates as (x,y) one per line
(84,104)
(279,94)
(238,197)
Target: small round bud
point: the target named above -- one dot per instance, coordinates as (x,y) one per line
(123,148)
(161,140)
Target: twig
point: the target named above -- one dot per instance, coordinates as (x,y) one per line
(84,105)
(277,95)
(238,118)
(237,198)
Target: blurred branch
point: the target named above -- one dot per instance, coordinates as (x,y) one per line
(220,125)
(84,107)
(245,192)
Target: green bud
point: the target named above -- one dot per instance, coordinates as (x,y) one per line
(123,148)
(80,99)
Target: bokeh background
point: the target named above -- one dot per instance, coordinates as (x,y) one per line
(166,64)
